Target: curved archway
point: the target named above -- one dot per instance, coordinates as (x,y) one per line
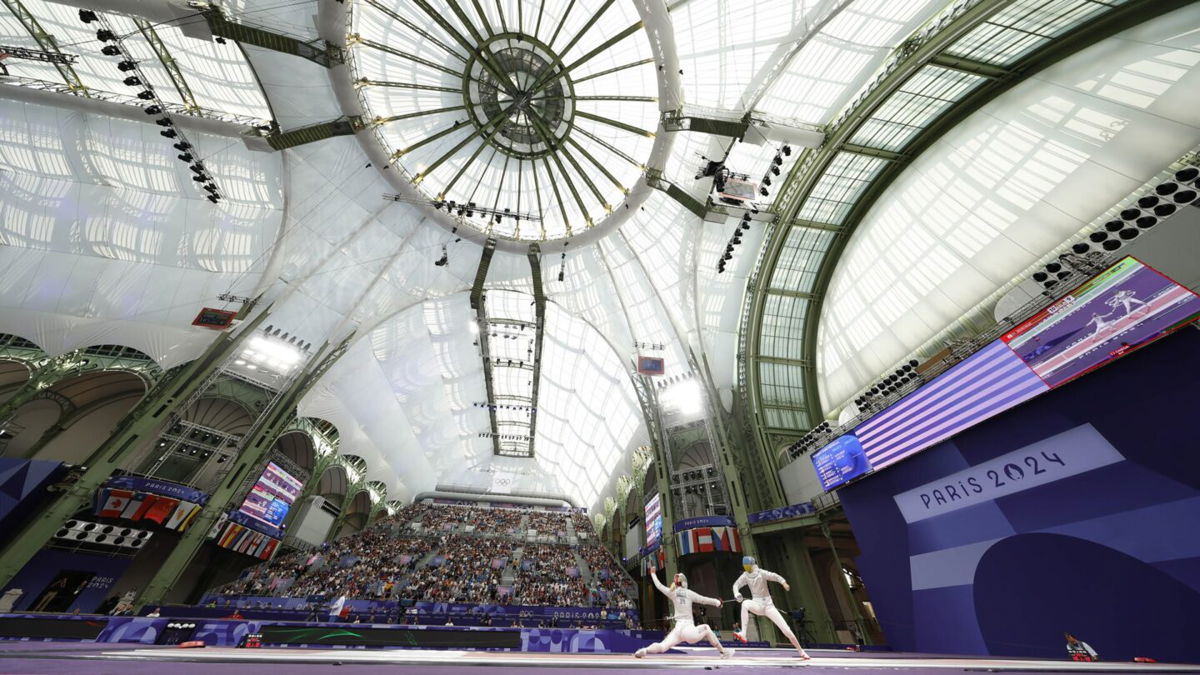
(97,401)
(356,514)
(13,374)
(333,484)
(298,447)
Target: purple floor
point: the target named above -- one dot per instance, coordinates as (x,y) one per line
(18,658)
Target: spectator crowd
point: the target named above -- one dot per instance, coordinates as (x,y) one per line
(442,560)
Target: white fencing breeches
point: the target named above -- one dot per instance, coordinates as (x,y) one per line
(767,608)
(684,632)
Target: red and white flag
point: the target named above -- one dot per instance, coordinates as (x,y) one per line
(115,503)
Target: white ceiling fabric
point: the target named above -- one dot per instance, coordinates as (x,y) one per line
(105,240)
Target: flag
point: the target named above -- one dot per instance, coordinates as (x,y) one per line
(336,608)
(181,516)
(269,549)
(160,509)
(216,529)
(231,533)
(114,503)
(684,539)
(137,506)
(704,540)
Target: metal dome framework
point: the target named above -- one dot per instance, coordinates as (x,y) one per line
(524,125)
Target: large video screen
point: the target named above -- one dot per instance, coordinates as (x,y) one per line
(1127,306)
(842,460)
(272,496)
(654,521)
(984,384)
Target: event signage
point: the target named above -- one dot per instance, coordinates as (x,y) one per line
(840,461)
(1127,306)
(159,487)
(1063,455)
(702,521)
(791,511)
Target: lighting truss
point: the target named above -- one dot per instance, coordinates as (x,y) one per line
(453,207)
(156,101)
(7,51)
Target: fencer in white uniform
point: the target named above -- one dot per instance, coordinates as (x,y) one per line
(761,603)
(685,629)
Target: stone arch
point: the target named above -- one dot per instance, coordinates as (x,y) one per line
(333,484)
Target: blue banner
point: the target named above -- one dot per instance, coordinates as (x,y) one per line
(793,511)
(703,521)
(160,487)
(255,524)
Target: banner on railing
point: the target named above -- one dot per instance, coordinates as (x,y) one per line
(702,521)
(169,512)
(792,511)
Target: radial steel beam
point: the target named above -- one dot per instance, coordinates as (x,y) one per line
(405,55)
(168,62)
(614,123)
(404,21)
(539,313)
(617,69)
(47,42)
(479,304)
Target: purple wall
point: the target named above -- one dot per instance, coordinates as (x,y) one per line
(48,563)
(1078,511)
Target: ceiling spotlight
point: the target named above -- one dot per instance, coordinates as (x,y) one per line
(1130,214)
(168,133)
(110,50)
(201,178)
(1098,236)
(185,157)
(775,170)
(764,192)
(746,225)
(766,180)
(1040,276)
(152,110)
(198,169)
(1187,175)
(1166,188)
(126,66)
(105,35)
(132,81)
(1053,267)
(787,150)
(1080,248)
(183,147)
(210,187)
(1184,196)
(1128,234)
(164,122)
(145,95)
(88,16)
(213,198)
(1111,245)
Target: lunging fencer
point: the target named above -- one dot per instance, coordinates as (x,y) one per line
(761,603)
(685,629)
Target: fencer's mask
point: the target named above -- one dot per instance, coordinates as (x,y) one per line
(749,564)
(680,580)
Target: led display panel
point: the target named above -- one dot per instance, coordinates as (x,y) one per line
(842,460)
(654,521)
(984,384)
(1125,307)
(272,496)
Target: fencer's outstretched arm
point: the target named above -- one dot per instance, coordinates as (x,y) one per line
(658,584)
(737,586)
(702,599)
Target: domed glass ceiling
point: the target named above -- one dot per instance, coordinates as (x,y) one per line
(525,120)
